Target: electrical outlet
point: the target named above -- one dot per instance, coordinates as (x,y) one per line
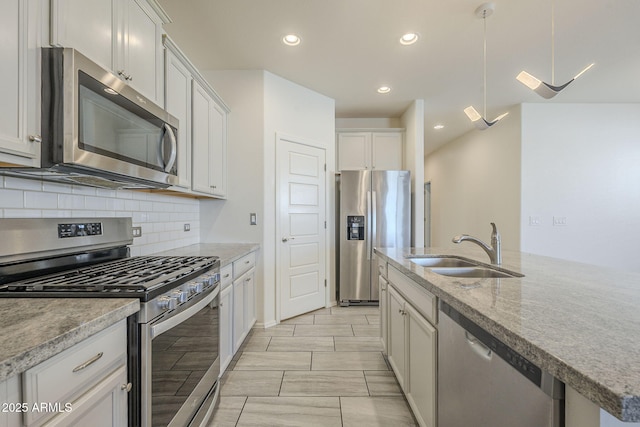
(534,221)
(253,219)
(136,231)
(560,221)
(187,227)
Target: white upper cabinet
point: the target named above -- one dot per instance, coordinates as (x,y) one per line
(369,150)
(124,36)
(209,168)
(19,74)
(178,104)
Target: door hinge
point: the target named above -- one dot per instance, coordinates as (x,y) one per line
(325,283)
(325,225)
(325,167)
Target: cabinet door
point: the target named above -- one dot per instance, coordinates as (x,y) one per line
(18,77)
(386,150)
(178,104)
(249,300)
(202,107)
(396,337)
(239,331)
(420,383)
(142,53)
(218,151)
(226,327)
(354,150)
(384,311)
(86,25)
(104,405)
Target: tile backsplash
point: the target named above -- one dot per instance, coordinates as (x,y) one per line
(161,216)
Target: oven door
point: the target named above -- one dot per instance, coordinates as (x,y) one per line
(180,366)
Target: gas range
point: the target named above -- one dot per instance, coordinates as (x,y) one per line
(90,258)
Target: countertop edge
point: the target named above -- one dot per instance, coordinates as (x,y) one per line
(27,359)
(624,407)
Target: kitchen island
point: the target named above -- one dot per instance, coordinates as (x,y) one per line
(580,323)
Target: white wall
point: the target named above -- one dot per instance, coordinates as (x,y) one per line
(298,112)
(368,123)
(161,216)
(228,220)
(582,162)
(475,180)
(262,105)
(413,122)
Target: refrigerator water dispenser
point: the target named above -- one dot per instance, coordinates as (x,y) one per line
(355,227)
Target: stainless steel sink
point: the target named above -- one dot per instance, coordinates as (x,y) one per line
(442,262)
(474,272)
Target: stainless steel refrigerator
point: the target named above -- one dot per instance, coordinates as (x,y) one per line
(374,211)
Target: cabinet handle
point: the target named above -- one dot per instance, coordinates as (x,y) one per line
(91,361)
(35,138)
(225,276)
(248,279)
(247,262)
(127,77)
(221,304)
(213,186)
(126,387)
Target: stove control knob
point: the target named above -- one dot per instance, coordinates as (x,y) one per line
(167,303)
(196,288)
(180,295)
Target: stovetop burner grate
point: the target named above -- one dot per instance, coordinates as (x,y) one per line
(135,274)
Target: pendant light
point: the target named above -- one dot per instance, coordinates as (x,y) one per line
(543,89)
(483,11)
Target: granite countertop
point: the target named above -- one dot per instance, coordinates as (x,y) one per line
(228,252)
(36,329)
(579,322)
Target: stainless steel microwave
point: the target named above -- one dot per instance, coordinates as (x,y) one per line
(99,131)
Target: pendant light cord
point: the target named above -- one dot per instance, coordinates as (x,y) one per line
(484,53)
(553,50)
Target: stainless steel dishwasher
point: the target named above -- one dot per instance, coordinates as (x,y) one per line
(482,382)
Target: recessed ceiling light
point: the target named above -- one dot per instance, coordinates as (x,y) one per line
(438,126)
(291,40)
(384,89)
(409,38)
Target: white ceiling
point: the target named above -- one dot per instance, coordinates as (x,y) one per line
(351,47)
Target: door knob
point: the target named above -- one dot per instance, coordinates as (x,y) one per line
(286,239)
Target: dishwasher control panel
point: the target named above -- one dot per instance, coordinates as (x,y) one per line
(515,359)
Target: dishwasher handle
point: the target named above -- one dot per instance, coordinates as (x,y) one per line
(478,348)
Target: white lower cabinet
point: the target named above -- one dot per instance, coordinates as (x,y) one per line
(421,374)
(226,327)
(84,385)
(397,338)
(384,311)
(411,343)
(237,305)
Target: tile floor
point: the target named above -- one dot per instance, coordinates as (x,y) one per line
(319,369)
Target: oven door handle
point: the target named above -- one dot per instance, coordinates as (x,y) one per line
(165,325)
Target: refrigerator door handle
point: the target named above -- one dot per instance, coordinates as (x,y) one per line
(368,220)
(374,225)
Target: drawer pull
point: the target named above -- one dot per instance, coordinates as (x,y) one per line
(91,361)
(247,262)
(248,279)
(126,387)
(225,276)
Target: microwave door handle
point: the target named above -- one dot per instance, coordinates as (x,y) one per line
(174,147)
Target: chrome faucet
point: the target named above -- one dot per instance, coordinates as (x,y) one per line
(493,251)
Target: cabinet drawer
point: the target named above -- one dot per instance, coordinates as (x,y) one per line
(63,377)
(244,264)
(226,276)
(421,299)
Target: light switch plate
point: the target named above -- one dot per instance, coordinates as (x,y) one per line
(253,219)
(187,227)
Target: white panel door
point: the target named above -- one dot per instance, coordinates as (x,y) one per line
(302,195)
